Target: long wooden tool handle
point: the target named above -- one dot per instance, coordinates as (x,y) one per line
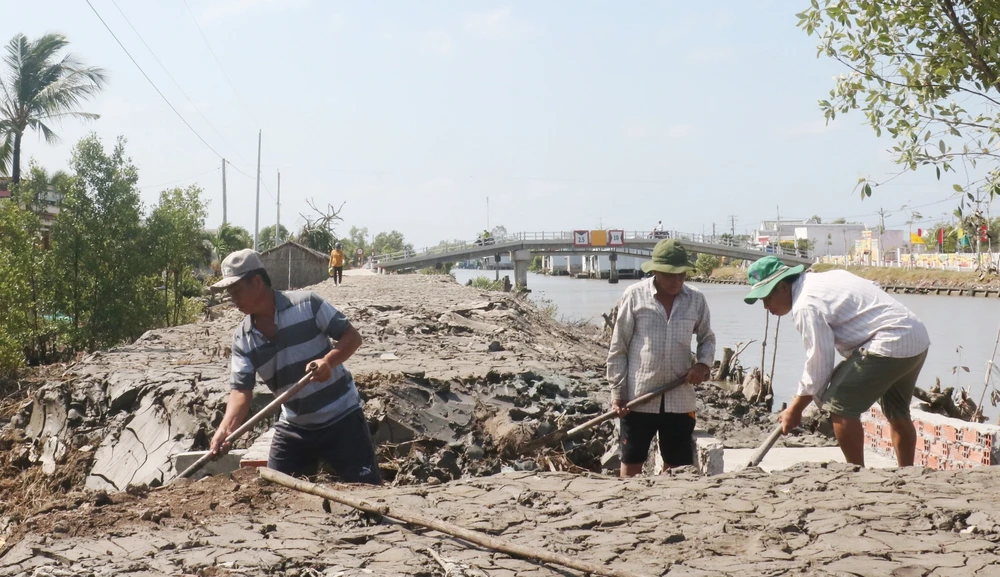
(272,406)
(758,455)
(469,535)
(642,398)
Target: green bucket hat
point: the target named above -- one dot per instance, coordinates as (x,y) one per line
(765,274)
(668,256)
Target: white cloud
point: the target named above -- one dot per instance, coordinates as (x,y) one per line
(437,42)
(494,24)
(680,131)
(222,9)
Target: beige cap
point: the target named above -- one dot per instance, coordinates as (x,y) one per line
(236,266)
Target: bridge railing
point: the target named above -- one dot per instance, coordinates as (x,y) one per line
(567,236)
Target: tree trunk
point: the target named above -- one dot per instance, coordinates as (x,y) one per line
(15,169)
(724,366)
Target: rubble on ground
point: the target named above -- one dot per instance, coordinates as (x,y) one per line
(819,520)
(454,380)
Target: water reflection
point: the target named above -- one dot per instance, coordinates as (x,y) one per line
(963,329)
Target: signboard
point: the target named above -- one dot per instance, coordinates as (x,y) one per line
(581,238)
(616,238)
(598,238)
(360,251)
(763,240)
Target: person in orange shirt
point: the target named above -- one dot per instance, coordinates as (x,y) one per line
(337,264)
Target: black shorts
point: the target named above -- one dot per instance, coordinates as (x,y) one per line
(675,429)
(346,446)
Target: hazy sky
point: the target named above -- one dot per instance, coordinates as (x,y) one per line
(565,114)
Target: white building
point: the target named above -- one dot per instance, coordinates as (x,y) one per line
(829,239)
(774,231)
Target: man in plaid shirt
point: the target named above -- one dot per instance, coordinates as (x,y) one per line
(650,347)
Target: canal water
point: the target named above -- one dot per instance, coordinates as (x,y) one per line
(963,329)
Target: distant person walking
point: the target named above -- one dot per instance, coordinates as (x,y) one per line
(337,264)
(650,347)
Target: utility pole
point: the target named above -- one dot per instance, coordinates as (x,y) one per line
(713,232)
(256,217)
(487,213)
(223,192)
(277,222)
(732,225)
(881,229)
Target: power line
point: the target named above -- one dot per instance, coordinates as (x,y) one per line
(151,83)
(177,84)
(219,63)
(179,180)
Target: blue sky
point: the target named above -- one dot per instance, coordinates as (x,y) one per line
(564,114)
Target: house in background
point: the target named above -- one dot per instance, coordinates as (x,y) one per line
(293,266)
(772,232)
(830,239)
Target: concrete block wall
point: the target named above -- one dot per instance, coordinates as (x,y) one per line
(942,443)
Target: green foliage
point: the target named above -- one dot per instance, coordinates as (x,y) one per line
(99,274)
(16,252)
(484,283)
(38,87)
(231,238)
(355,239)
(927,72)
(706,263)
(266,239)
(316,238)
(839,221)
(390,242)
(174,228)
(536,264)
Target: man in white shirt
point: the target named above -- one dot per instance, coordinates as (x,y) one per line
(883,344)
(650,347)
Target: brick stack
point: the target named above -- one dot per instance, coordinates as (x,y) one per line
(942,442)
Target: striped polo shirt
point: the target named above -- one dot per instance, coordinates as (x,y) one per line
(305,324)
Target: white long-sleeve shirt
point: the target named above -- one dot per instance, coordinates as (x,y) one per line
(649,350)
(836,311)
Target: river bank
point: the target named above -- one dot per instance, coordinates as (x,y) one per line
(917,281)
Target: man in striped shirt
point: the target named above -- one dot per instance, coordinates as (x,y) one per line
(650,348)
(284,335)
(883,344)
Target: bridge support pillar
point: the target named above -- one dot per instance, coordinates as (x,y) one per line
(521,260)
(613,275)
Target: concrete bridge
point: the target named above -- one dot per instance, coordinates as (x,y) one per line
(523,246)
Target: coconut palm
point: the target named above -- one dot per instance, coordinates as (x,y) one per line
(40,86)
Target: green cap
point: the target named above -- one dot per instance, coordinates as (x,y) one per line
(765,274)
(668,256)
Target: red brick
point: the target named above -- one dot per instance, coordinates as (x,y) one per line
(921,444)
(970,436)
(932,461)
(976,455)
(939,448)
(949,432)
(926,428)
(871,428)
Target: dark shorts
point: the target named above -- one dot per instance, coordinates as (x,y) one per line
(346,446)
(864,378)
(675,429)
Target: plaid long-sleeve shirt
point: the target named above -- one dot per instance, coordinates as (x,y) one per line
(648,349)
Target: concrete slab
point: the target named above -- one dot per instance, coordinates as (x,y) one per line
(224,464)
(256,455)
(780,458)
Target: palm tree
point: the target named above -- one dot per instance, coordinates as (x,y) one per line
(39,87)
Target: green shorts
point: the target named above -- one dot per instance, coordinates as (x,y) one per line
(864,378)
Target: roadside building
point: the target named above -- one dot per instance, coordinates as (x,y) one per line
(293,266)
(830,239)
